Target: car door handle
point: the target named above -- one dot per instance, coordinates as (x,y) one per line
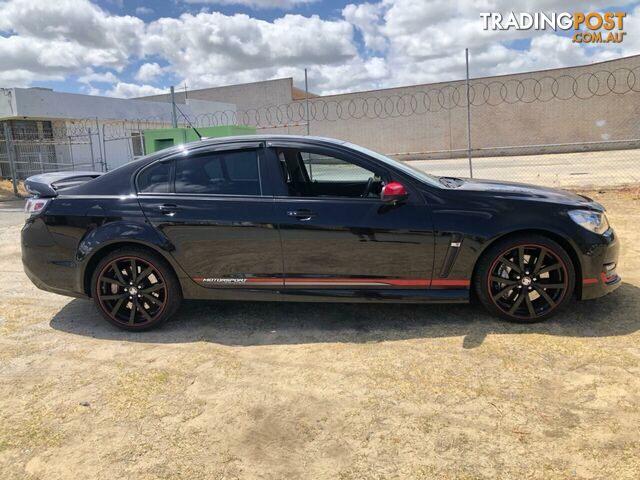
(302,215)
(168,209)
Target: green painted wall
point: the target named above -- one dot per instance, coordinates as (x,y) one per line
(160,138)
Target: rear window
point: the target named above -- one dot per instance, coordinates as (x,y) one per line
(155,179)
(221,173)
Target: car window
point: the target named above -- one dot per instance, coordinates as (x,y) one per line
(311,174)
(221,173)
(323,168)
(155,179)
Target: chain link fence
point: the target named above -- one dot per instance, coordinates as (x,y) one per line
(576,127)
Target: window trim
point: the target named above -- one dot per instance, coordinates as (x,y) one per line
(345,156)
(212,149)
(151,165)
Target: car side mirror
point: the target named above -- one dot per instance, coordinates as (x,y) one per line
(394,192)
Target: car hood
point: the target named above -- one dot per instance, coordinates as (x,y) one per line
(526,192)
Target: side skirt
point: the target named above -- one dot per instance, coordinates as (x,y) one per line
(336,295)
(396,295)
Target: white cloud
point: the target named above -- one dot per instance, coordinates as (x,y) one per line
(144,11)
(97,77)
(148,72)
(74,23)
(212,48)
(130,90)
(52,40)
(405,42)
(329,79)
(424,41)
(213,42)
(259,4)
(366,17)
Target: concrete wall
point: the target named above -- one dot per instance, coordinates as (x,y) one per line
(596,103)
(245,96)
(592,105)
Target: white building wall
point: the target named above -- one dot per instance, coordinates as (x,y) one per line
(47,104)
(85,124)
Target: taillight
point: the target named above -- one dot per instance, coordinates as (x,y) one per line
(35,206)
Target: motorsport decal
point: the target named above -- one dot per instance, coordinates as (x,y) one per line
(221,280)
(332,282)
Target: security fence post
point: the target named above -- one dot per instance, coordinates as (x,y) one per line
(306,100)
(174,114)
(466,55)
(93,159)
(104,150)
(73,167)
(11,156)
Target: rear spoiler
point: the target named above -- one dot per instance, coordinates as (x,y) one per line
(48,184)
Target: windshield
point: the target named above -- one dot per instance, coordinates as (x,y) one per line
(404,167)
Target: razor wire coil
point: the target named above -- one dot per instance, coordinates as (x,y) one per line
(482,92)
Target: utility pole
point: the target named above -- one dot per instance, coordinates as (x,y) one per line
(466,55)
(174,115)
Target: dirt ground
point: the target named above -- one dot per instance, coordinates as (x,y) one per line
(233,390)
(6,190)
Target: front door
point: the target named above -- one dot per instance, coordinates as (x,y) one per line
(338,236)
(213,208)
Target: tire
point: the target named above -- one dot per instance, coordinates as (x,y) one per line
(527,291)
(135,304)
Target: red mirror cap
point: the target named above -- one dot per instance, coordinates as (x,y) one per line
(394,189)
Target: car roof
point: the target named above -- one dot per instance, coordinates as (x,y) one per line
(205,142)
(120,176)
(266,138)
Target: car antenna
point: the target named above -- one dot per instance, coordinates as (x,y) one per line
(189,122)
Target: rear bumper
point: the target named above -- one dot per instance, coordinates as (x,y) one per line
(599,268)
(48,265)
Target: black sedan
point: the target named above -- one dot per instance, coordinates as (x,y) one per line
(288,218)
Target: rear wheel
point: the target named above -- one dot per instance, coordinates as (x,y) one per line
(525,279)
(135,289)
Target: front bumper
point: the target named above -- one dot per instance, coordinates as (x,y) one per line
(599,268)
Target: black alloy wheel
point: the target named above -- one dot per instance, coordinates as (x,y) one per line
(525,279)
(135,290)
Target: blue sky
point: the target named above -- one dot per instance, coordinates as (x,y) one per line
(132,48)
(171,8)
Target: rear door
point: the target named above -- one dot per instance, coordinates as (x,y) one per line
(338,236)
(217,212)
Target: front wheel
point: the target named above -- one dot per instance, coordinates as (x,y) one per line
(135,289)
(525,279)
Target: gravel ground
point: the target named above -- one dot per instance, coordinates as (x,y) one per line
(233,390)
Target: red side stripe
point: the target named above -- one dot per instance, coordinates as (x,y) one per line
(373,281)
(606,278)
(589,281)
(450,283)
(407,282)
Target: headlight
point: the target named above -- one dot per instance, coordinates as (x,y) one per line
(35,206)
(595,222)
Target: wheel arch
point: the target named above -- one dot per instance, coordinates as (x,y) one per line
(558,238)
(106,249)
